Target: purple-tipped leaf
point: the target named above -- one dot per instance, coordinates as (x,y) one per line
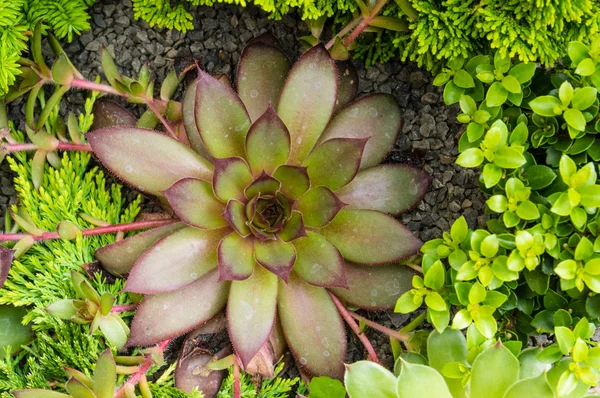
(175,261)
(235,214)
(267,143)
(109,114)
(266,39)
(230,178)
(236,257)
(263,184)
(146,159)
(251,313)
(275,255)
(119,257)
(348,86)
(6,259)
(293,228)
(390,188)
(221,117)
(308,99)
(189,122)
(370,237)
(377,116)
(168,315)
(375,288)
(294,180)
(318,262)
(313,328)
(195,203)
(335,162)
(261,73)
(318,206)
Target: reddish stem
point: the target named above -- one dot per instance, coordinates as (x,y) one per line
(351,25)
(150,104)
(133,226)
(348,318)
(135,378)
(237,388)
(391,333)
(93,86)
(365,22)
(62,146)
(123,308)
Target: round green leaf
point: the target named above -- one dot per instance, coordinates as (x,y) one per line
(368,379)
(496,95)
(493,372)
(546,105)
(463,79)
(471,157)
(575,119)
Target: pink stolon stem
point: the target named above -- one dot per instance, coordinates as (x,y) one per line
(62,146)
(135,378)
(361,336)
(123,308)
(134,226)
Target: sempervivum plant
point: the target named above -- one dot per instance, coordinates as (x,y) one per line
(280,199)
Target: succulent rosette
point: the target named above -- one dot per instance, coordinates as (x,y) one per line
(281,202)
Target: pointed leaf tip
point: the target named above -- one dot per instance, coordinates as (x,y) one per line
(305,114)
(251,312)
(261,74)
(375,115)
(267,143)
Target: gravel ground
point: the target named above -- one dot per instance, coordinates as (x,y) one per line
(430,131)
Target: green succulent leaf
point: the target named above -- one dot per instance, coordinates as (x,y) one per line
(375,288)
(471,157)
(318,206)
(152,167)
(370,237)
(575,119)
(275,255)
(114,330)
(421,381)
(294,180)
(462,79)
(235,214)
(77,389)
(374,116)
(230,178)
(235,257)
(221,117)
(306,115)
(584,97)
(523,71)
(335,162)
(195,203)
(536,386)
(180,311)
(318,262)
(293,228)
(493,372)
(119,257)
(251,312)
(261,74)
(263,185)
(189,122)
(267,143)
(348,84)
(302,307)
(387,188)
(369,379)
(37,393)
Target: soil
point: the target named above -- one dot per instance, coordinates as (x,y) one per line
(429,134)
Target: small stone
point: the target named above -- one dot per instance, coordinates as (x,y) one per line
(123,21)
(93,46)
(466,203)
(417,79)
(86,38)
(429,98)
(98,20)
(109,9)
(160,61)
(421,145)
(142,36)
